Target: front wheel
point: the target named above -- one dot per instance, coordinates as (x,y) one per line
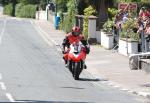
(77,70)
(70,66)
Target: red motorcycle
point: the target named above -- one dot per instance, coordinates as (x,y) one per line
(76,56)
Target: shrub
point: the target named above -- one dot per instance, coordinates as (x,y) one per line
(8,9)
(107,27)
(61,20)
(17,9)
(145,4)
(69,20)
(112,12)
(87,12)
(128,30)
(27,11)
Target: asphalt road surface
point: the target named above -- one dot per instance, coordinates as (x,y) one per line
(31,71)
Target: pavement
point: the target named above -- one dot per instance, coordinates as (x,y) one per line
(108,66)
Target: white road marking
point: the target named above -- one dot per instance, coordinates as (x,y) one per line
(3,30)
(2,86)
(124,89)
(116,86)
(143,94)
(130,91)
(9,96)
(45,36)
(31,22)
(111,83)
(0,76)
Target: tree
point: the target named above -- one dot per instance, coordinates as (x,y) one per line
(27,1)
(102,10)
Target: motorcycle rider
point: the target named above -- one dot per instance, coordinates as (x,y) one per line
(74,36)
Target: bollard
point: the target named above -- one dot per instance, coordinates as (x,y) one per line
(57,20)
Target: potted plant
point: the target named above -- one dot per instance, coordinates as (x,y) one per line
(107,39)
(129,38)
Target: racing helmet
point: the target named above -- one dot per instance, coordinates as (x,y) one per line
(76,31)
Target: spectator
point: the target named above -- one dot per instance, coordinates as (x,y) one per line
(147,34)
(144,13)
(147,26)
(119,18)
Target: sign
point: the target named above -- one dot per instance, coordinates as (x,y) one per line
(129,6)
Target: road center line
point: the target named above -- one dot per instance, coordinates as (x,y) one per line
(9,96)
(2,86)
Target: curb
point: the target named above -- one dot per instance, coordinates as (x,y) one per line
(102,80)
(117,86)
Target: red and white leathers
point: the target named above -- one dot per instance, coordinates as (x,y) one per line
(70,39)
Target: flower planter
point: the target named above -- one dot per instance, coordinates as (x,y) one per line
(127,47)
(107,40)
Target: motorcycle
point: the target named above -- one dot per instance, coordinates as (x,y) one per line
(76,57)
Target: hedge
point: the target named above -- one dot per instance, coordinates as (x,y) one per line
(17,9)
(8,9)
(26,11)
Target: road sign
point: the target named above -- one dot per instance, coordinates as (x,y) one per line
(131,6)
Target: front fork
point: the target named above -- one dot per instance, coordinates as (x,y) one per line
(71,65)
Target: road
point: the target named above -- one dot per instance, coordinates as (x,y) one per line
(31,71)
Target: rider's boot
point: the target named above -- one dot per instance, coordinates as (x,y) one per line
(66,63)
(84,65)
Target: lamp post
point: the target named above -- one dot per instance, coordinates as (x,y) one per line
(55,7)
(47,8)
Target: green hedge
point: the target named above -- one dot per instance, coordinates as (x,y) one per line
(8,9)
(17,9)
(69,19)
(87,12)
(26,11)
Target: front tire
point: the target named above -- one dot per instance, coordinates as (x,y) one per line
(78,66)
(70,66)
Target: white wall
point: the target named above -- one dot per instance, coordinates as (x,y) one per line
(41,15)
(107,40)
(127,48)
(1,10)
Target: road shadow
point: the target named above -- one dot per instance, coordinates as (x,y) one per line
(35,101)
(72,87)
(145,85)
(94,80)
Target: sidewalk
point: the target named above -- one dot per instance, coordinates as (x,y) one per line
(106,64)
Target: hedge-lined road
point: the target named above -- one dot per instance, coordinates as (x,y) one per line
(31,70)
